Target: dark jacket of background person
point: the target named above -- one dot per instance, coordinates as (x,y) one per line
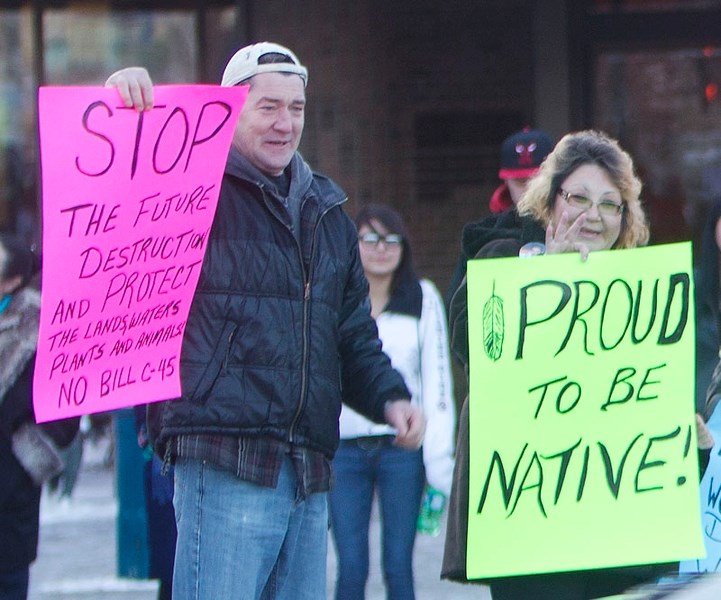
(507,232)
(20,438)
(495,237)
(264,329)
(708,315)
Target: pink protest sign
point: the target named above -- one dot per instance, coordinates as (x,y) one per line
(128,202)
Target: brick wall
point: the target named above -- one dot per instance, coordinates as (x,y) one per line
(377,70)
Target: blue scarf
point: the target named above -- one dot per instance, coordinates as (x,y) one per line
(5,302)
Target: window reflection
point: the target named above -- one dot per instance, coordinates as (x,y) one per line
(630,6)
(82,44)
(82,47)
(664,107)
(17,123)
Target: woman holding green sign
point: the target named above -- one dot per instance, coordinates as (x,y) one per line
(585,198)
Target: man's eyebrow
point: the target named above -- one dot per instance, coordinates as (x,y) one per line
(276,100)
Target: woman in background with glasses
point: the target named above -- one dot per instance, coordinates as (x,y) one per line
(584,198)
(411,323)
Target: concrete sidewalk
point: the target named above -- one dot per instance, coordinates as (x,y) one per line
(77,551)
(77,556)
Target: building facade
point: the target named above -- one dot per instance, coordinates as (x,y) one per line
(408,100)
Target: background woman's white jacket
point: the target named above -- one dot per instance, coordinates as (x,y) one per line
(418,349)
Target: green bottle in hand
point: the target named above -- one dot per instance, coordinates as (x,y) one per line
(432,507)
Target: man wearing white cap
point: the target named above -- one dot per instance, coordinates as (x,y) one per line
(280,324)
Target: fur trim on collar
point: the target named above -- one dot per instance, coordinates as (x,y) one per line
(18,336)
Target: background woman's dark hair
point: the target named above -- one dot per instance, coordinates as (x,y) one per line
(393,222)
(21,260)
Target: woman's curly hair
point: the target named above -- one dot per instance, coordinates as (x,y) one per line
(582,148)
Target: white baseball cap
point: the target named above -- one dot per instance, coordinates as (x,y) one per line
(245,63)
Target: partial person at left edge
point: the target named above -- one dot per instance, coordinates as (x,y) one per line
(29,454)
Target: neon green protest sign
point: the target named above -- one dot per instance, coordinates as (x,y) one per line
(582,438)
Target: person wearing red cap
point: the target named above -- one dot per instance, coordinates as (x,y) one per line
(521,154)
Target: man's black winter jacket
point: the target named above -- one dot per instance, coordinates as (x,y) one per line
(279,331)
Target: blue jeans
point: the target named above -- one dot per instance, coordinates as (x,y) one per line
(161,524)
(241,541)
(14,586)
(361,467)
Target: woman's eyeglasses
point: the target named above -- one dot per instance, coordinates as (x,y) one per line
(392,241)
(607,208)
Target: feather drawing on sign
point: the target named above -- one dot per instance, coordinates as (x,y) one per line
(493,326)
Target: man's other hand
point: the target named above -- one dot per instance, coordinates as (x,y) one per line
(408,421)
(135,87)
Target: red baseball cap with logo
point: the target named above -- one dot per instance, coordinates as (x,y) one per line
(523,152)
